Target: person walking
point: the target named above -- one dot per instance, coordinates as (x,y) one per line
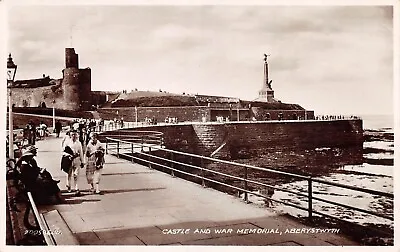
(95,162)
(66,139)
(78,162)
(32,134)
(58,127)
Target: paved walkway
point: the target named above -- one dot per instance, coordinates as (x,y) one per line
(141,206)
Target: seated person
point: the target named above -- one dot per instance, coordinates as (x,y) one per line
(35,179)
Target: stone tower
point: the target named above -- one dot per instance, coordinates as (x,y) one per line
(266,94)
(76,83)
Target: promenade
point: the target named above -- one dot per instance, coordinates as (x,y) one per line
(142,206)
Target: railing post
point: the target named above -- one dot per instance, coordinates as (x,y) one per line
(141,143)
(246,198)
(202,172)
(106,145)
(310,197)
(132,152)
(172,164)
(149,157)
(118,149)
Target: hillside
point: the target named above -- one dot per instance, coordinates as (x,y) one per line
(164,99)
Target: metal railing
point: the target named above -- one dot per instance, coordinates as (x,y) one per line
(135,138)
(336,117)
(126,148)
(111,126)
(41,227)
(44,230)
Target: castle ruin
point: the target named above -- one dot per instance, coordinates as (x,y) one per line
(72,92)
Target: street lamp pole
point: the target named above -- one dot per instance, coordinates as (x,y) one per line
(11,70)
(54,116)
(10,127)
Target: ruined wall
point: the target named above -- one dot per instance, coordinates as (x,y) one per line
(85,87)
(71,90)
(71,58)
(34,97)
(76,83)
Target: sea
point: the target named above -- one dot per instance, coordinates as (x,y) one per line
(372,176)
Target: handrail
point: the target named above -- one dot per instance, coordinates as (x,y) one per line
(219,160)
(309,195)
(43,227)
(389,195)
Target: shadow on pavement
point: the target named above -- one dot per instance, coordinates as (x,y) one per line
(131,190)
(126,173)
(67,194)
(77,201)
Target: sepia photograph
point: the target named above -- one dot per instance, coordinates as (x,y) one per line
(232,124)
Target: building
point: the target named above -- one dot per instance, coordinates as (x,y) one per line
(72,92)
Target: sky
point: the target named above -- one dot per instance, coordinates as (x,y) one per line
(330,59)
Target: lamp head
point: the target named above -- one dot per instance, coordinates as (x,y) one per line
(11,69)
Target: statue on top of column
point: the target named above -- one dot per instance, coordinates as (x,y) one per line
(266,56)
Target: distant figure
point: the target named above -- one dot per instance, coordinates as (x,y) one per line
(58,127)
(32,129)
(42,129)
(101,124)
(26,135)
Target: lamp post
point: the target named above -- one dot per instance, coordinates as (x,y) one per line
(11,71)
(54,115)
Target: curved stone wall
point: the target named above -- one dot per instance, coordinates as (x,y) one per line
(258,138)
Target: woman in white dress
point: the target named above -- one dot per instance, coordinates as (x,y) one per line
(95,162)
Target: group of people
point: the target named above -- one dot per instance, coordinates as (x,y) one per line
(32,132)
(169,120)
(77,155)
